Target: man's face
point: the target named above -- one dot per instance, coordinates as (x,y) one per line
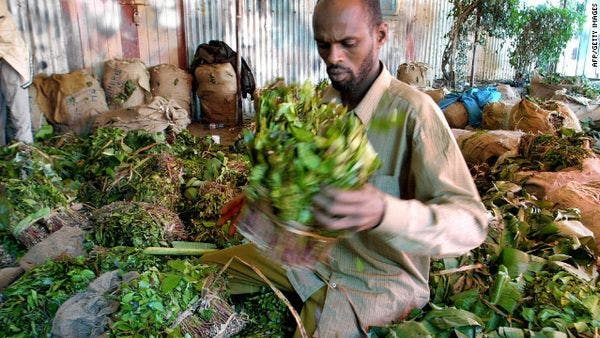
(347,42)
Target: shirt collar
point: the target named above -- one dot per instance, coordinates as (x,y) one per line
(366,108)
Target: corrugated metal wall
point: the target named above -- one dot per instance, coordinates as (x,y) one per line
(277,37)
(66,35)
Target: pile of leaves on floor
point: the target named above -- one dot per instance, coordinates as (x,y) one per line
(138,189)
(536,275)
(580,85)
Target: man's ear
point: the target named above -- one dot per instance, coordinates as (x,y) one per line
(381,33)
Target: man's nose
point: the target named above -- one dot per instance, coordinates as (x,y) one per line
(334,55)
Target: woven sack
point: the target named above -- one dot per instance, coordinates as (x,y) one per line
(126,82)
(172,82)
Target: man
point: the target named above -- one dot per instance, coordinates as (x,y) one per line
(14,75)
(421,203)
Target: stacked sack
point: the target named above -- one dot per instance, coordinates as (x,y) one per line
(130,97)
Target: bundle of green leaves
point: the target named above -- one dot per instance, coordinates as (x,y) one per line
(133,165)
(301,144)
(136,224)
(268,315)
(553,153)
(28,306)
(29,189)
(533,276)
(150,304)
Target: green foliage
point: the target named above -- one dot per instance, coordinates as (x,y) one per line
(580,85)
(541,34)
(135,224)
(488,18)
(531,276)
(554,153)
(121,258)
(28,184)
(301,144)
(269,316)
(28,305)
(592,130)
(150,304)
(129,88)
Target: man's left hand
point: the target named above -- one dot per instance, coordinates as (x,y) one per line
(357,210)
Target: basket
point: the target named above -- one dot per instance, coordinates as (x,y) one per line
(288,243)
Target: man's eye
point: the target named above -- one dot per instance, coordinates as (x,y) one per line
(322,45)
(348,44)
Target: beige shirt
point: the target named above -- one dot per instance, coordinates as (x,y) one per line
(12,46)
(432,209)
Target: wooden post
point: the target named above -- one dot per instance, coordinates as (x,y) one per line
(473,63)
(238,33)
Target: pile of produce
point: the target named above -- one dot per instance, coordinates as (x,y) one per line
(133,190)
(536,273)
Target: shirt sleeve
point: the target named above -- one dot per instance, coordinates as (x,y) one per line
(446,218)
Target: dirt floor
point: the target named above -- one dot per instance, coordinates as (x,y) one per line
(227,135)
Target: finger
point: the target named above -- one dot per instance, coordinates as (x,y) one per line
(335,223)
(322,201)
(350,196)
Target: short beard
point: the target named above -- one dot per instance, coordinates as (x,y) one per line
(354,83)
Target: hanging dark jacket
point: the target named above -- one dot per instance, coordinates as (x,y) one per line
(219,52)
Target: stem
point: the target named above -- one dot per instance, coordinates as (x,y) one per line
(160,251)
(472,82)
(460,269)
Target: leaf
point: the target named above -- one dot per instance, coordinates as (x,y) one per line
(170,282)
(451,318)
(44,133)
(406,329)
(466,299)
(177,265)
(504,292)
(29,220)
(518,262)
(156,305)
(127,297)
(360,267)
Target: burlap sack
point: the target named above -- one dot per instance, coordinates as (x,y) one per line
(530,117)
(156,116)
(37,115)
(436,94)
(583,196)
(217,89)
(542,183)
(70,101)
(126,82)
(414,73)
(582,107)
(508,92)
(496,115)
(86,314)
(487,147)
(570,120)
(456,115)
(539,89)
(172,82)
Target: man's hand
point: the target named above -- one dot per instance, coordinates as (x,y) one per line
(356,210)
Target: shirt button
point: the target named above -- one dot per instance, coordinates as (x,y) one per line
(334,285)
